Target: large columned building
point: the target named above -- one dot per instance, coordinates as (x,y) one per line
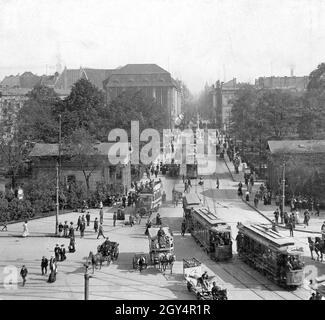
(154,82)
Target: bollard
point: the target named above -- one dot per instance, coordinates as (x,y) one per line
(86,276)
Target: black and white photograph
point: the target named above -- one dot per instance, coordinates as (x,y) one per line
(162,151)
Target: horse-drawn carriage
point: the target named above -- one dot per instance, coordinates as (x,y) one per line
(161,248)
(204,290)
(107,251)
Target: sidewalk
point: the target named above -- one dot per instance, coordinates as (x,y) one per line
(267,211)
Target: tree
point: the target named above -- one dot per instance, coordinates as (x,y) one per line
(83,108)
(36,120)
(312,112)
(80,147)
(133,105)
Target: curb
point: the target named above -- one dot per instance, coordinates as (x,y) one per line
(262,214)
(282,227)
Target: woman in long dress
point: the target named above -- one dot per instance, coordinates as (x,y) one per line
(25,230)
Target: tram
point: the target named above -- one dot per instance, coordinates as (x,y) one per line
(150,195)
(190,200)
(213,234)
(271,253)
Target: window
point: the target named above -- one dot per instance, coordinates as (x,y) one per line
(71,179)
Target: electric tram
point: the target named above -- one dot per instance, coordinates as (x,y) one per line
(270,253)
(213,234)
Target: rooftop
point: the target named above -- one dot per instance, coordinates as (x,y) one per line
(297,146)
(52,150)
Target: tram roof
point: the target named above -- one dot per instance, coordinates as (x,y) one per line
(208,216)
(192,199)
(267,234)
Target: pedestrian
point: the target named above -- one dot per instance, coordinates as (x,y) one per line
(217,183)
(88,218)
(72,245)
(158,219)
(96,225)
(101,216)
(183,228)
(276,216)
(114,218)
(65,229)
(131,221)
(62,253)
(138,217)
(247,196)
(4,226)
(290,225)
(60,227)
(293,220)
(83,220)
(306,217)
(53,270)
(57,252)
(71,230)
(256,200)
(23,273)
(25,229)
(101,205)
(78,223)
(44,264)
(82,228)
(100,231)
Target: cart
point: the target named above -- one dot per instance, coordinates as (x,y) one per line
(161,252)
(192,271)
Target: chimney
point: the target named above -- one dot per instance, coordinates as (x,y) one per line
(291,72)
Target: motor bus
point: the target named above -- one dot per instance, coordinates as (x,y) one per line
(270,253)
(213,234)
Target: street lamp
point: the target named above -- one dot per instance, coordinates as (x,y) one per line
(283,185)
(87,277)
(58,174)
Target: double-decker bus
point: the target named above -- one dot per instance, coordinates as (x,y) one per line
(270,253)
(213,234)
(149,194)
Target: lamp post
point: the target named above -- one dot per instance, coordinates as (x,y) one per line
(86,276)
(283,185)
(58,174)
(57,199)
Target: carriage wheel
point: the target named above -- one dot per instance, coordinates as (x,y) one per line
(117,253)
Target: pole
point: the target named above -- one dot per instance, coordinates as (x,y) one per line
(57,199)
(86,276)
(283,185)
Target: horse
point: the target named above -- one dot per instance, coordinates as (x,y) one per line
(167,260)
(95,260)
(141,263)
(318,246)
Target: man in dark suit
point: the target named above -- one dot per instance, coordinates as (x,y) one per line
(44,265)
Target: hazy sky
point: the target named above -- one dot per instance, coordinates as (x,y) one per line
(198,41)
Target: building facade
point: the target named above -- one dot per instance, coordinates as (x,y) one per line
(44,158)
(152,80)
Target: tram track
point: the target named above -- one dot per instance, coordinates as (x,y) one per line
(239,268)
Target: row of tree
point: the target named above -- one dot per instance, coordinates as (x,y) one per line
(85,118)
(259,115)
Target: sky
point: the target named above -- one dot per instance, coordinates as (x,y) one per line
(197,41)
